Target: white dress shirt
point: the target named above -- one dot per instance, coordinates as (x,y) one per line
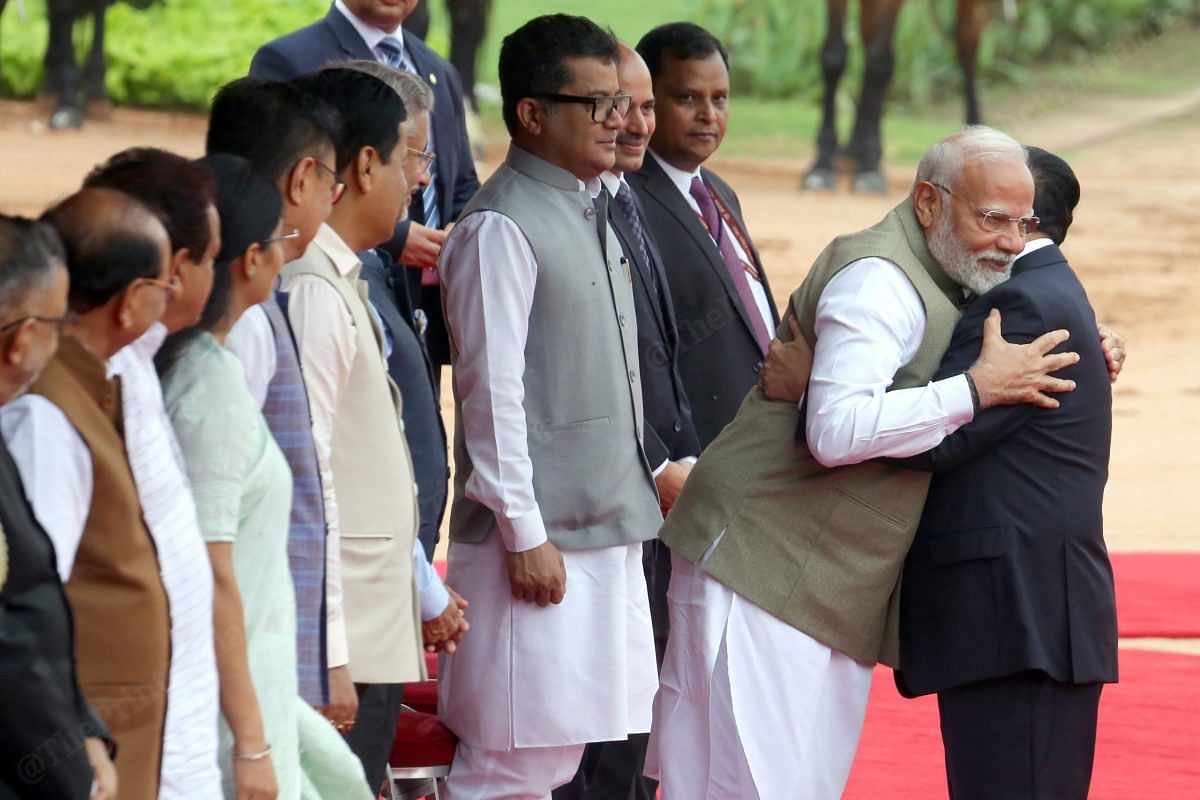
(189,757)
(372,35)
(683,182)
(56,469)
(1033,245)
(870,322)
(327,344)
(253,341)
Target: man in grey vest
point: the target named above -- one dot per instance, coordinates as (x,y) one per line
(786,553)
(553,496)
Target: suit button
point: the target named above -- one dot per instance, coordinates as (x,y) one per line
(758,367)
(632,376)
(589,212)
(621,317)
(678,426)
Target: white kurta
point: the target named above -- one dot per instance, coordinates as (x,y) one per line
(749,706)
(526,676)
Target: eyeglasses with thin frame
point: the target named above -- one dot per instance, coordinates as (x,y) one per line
(426,157)
(171,285)
(265,243)
(66,319)
(998,221)
(339,185)
(602,107)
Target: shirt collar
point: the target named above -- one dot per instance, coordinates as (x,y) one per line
(611,181)
(370,34)
(681,178)
(332,245)
(1033,245)
(592,186)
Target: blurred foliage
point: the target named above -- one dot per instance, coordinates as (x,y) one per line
(775,44)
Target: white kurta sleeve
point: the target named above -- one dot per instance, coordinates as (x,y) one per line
(869,323)
(252,340)
(488,276)
(433,594)
(326,344)
(56,469)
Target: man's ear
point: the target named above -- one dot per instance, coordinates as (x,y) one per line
(178,259)
(531,115)
(298,180)
(927,202)
(14,348)
(123,309)
(366,162)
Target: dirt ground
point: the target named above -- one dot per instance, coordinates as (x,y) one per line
(1133,241)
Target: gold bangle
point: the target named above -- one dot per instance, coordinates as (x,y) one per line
(252,756)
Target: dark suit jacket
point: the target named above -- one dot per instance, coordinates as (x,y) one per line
(669,432)
(42,710)
(1009,571)
(719,357)
(334,39)
(410,368)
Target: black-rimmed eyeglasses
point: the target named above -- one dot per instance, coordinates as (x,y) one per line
(58,322)
(998,221)
(602,107)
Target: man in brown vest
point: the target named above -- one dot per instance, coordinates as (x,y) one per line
(786,553)
(66,437)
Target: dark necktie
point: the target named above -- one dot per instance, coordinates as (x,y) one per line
(737,271)
(629,209)
(393,55)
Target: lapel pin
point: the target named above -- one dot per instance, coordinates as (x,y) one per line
(433,79)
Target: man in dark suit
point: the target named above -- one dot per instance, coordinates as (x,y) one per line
(371,29)
(614,769)
(726,315)
(1007,607)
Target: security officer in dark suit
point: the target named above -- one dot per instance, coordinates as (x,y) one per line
(370,29)
(1007,606)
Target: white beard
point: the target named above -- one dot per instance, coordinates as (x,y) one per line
(961,263)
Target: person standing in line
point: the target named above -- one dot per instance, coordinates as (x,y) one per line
(182,194)
(55,747)
(553,496)
(273,744)
(65,435)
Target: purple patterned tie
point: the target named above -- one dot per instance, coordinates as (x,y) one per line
(737,271)
(629,209)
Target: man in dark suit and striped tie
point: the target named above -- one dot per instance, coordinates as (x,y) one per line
(372,29)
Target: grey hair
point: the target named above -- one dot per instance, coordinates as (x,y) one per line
(416,94)
(944,162)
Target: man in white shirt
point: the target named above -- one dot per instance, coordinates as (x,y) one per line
(181,192)
(356,421)
(553,497)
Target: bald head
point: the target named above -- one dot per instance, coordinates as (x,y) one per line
(634,78)
(111,240)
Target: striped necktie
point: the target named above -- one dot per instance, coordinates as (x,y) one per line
(392,50)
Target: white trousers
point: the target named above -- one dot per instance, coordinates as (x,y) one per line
(522,773)
(749,707)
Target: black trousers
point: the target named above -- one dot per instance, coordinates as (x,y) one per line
(613,770)
(1020,737)
(375,728)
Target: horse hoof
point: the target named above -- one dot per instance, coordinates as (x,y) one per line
(66,117)
(819,180)
(870,183)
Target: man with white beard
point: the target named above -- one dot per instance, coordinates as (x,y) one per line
(787,554)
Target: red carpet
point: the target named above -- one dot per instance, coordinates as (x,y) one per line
(1158,594)
(1148,744)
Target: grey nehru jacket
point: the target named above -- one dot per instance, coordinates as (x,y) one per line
(583,399)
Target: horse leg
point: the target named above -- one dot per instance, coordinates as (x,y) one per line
(866,143)
(833,63)
(94,69)
(468,26)
(970,20)
(62,73)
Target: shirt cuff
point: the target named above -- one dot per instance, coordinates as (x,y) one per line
(956,394)
(659,469)
(688,460)
(522,533)
(337,650)
(434,599)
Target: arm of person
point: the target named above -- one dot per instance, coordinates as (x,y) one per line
(870,322)
(252,340)
(489,274)
(442,619)
(1113,345)
(272,64)
(56,469)
(239,702)
(325,344)
(466,182)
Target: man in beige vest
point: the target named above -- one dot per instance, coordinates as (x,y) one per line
(390,590)
(786,553)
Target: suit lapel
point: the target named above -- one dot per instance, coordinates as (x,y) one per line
(661,188)
(348,39)
(441,120)
(734,211)
(625,235)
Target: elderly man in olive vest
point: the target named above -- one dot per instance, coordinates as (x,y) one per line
(786,553)
(552,493)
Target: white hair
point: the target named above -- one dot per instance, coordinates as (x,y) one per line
(415,94)
(944,162)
